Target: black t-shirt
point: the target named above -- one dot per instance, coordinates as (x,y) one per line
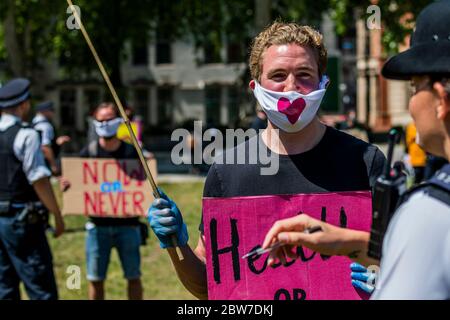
(339,162)
(125,151)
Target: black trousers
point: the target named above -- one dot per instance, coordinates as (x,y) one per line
(25,256)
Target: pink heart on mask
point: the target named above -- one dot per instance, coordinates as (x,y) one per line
(291,110)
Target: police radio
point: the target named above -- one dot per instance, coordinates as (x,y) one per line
(386,194)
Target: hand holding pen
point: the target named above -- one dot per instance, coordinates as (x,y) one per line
(277,244)
(287,234)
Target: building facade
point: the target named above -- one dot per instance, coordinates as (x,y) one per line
(166,85)
(381,103)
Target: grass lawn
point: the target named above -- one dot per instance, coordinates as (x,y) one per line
(158,275)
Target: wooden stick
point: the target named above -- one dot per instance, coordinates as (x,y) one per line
(124,116)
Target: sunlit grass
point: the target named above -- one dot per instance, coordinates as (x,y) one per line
(158,275)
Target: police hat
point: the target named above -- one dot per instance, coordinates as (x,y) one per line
(14,92)
(429,53)
(47,105)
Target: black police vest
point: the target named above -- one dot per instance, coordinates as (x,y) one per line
(53,144)
(437,187)
(14,185)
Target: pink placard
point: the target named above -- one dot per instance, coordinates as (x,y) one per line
(235,226)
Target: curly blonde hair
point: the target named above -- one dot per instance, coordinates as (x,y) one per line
(279,33)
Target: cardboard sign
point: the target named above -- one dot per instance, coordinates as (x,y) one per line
(107,187)
(236,226)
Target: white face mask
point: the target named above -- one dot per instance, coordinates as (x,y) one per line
(107,129)
(290,111)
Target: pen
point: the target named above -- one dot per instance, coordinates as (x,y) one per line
(276,245)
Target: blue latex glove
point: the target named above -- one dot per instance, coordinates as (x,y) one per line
(165,220)
(363,279)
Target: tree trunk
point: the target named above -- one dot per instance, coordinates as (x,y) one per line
(116,47)
(262,14)
(15,56)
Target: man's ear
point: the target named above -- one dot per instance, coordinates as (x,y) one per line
(251,84)
(443,108)
(25,106)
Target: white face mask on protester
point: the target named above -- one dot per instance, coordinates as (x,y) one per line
(290,111)
(107,129)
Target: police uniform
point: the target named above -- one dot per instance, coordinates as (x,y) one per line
(415,260)
(45,127)
(416,249)
(24,251)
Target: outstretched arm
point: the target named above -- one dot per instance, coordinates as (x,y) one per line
(331,240)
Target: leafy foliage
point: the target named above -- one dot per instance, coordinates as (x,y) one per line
(41,28)
(396,17)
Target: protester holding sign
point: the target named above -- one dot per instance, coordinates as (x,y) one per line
(415,261)
(287,64)
(104,233)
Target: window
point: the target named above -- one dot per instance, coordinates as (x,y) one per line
(91,98)
(163,52)
(236,50)
(233,105)
(141,103)
(67,99)
(235,53)
(165,32)
(165,106)
(140,54)
(212,103)
(211,53)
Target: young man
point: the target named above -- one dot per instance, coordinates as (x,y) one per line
(26,196)
(415,261)
(105,233)
(287,63)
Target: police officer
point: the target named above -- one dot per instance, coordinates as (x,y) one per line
(415,260)
(25,196)
(51,144)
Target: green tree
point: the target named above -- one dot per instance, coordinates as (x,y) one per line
(111,25)
(34,30)
(26,28)
(396,17)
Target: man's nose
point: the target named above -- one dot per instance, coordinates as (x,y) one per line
(290,84)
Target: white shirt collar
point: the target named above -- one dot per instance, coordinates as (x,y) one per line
(38,117)
(7,120)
